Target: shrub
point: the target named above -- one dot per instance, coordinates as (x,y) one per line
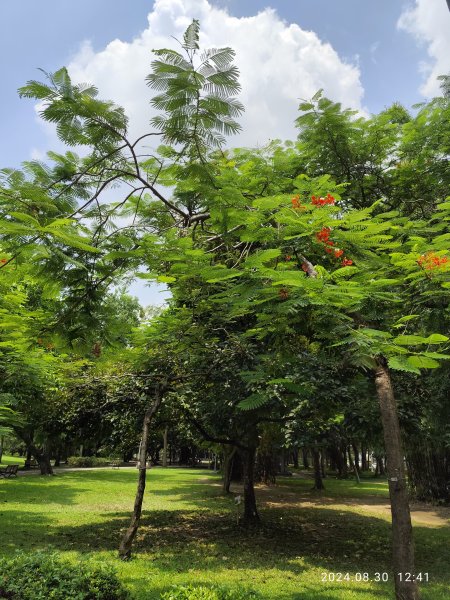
(89,461)
(190,592)
(44,576)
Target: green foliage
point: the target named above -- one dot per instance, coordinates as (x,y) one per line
(192,592)
(197,101)
(80,118)
(89,461)
(43,576)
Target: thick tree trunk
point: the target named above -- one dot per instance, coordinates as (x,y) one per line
(251,516)
(127,540)
(295,457)
(402,537)
(43,458)
(318,483)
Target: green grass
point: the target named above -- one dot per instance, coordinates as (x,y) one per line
(189,533)
(12,460)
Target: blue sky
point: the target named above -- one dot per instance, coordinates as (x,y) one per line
(365,53)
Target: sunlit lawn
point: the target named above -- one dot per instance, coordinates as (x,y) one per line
(12,460)
(189,533)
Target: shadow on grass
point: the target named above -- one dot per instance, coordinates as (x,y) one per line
(206,537)
(38,490)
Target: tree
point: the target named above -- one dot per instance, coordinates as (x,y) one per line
(229,236)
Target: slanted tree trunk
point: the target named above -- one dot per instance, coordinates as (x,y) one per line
(318,483)
(353,465)
(127,540)
(402,536)
(251,516)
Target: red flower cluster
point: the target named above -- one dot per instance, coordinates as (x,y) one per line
(432,261)
(3,261)
(329,199)
(323,236)
(296,203)
(288,257)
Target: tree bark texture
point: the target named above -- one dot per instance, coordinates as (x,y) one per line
(127,540)
(402,536)
(251,516)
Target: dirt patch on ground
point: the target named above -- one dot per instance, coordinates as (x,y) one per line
(280,497)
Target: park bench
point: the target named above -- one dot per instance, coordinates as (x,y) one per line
(9,471)
(115,464)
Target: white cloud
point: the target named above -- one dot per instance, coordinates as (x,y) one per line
(429,22)
(279,63)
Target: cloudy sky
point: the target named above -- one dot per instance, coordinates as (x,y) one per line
(364,53)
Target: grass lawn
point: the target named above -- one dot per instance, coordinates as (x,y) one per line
(189,532)
(12,460)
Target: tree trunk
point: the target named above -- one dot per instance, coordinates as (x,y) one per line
(43,458)
(318,483)
(2,441)
(305,458)
(165,436)
(295,457)
(364,466)
(402,537)
(322,465)
(353,465)
(343,453)
(251,516)
(356,453)
(379,468)
(229,454)
(127,540)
